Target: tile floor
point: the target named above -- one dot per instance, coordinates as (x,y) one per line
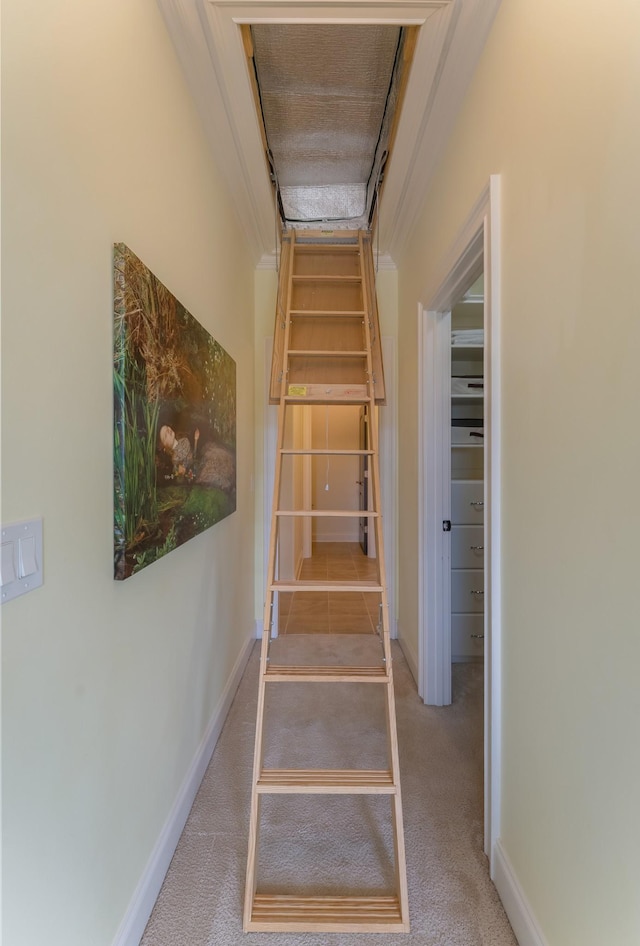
(332,612)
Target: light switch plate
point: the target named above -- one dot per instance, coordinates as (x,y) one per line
(21,557)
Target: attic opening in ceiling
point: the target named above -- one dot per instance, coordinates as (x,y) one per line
(328,98)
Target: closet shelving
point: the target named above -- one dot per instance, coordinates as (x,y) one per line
(467,487)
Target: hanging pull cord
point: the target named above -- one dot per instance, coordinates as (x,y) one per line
(378,224)
(278,206)
(374,219)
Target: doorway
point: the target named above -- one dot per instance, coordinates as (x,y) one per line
(330,479)
(335,478)
(466,513)
(475,251)
(387,428)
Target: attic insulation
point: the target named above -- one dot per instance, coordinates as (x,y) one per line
(327,95)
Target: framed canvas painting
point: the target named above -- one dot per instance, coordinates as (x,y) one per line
(174,448)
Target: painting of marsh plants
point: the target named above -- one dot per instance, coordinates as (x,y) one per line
(174,434)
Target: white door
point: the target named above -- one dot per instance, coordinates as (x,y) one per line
(435,510)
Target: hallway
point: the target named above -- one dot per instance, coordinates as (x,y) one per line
(452,900)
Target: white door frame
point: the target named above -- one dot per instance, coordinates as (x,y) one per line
(477,246)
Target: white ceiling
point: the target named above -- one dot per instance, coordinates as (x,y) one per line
(207,39)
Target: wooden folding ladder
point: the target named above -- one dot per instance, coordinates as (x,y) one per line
(327,350)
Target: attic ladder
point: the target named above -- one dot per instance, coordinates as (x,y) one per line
(327,351)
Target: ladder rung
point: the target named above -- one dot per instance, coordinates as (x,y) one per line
(328,353)
(314,585)
(327,278)
(326,781)
(314,393)
(329,313)
(328,453)
(279,913)
(328,245)
(300,674)
(330,513)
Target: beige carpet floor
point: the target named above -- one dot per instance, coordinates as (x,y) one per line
(340,844)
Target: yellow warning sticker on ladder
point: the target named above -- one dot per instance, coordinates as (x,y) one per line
(297,390)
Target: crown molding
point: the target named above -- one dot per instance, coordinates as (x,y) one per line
(383,262)
(469,24)
(268,261)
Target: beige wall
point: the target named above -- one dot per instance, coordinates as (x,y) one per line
(553,108)
(108,687)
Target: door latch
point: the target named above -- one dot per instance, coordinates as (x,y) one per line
(446,525)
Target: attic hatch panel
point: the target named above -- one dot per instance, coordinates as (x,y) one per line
(324,93)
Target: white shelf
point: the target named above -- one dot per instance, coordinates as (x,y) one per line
(467,338)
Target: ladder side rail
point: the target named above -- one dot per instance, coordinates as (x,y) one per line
(277,362)
(374,469)
(283,308)
(254,815)
(251,885)
(392,738)
(374,482)
(282,407)
(369,279)
(402,886)
(374,466)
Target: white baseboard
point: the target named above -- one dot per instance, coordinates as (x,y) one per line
(139,910)
(517,907)
(259,629)
(410,657)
